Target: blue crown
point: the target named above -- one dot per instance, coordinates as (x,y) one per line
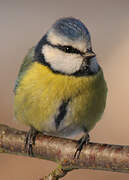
(72,28)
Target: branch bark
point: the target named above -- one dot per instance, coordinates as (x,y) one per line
(93,156)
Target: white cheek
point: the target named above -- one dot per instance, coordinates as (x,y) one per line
(61,61)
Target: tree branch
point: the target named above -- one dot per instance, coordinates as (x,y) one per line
(93,156)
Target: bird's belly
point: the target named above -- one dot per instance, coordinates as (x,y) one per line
(45,114)
(72,132)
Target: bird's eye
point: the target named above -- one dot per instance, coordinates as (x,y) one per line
(69,49)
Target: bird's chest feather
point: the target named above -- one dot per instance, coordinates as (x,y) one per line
(41,96)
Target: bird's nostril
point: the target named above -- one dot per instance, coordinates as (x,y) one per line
(90,53)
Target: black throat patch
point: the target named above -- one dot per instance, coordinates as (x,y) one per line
(62,113)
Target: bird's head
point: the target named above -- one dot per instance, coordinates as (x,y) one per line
(66,49)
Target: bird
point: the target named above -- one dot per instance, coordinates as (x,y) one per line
(60,89)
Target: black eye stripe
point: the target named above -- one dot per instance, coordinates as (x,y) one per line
(67,49)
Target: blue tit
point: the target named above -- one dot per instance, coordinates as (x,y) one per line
(60,89)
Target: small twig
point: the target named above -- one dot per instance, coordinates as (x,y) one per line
(93,156)
(56,174)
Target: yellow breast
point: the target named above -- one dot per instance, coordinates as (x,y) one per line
(41,91)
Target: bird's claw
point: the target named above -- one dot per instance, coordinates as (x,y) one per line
(84,140)
(30,141)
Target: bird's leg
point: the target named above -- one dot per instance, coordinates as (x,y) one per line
(84,140)
(30,141)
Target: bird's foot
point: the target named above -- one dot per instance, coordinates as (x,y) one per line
(84,140)
(30,141)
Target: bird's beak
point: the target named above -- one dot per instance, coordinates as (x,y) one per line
(90,54)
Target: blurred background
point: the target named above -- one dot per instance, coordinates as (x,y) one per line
(22,24)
